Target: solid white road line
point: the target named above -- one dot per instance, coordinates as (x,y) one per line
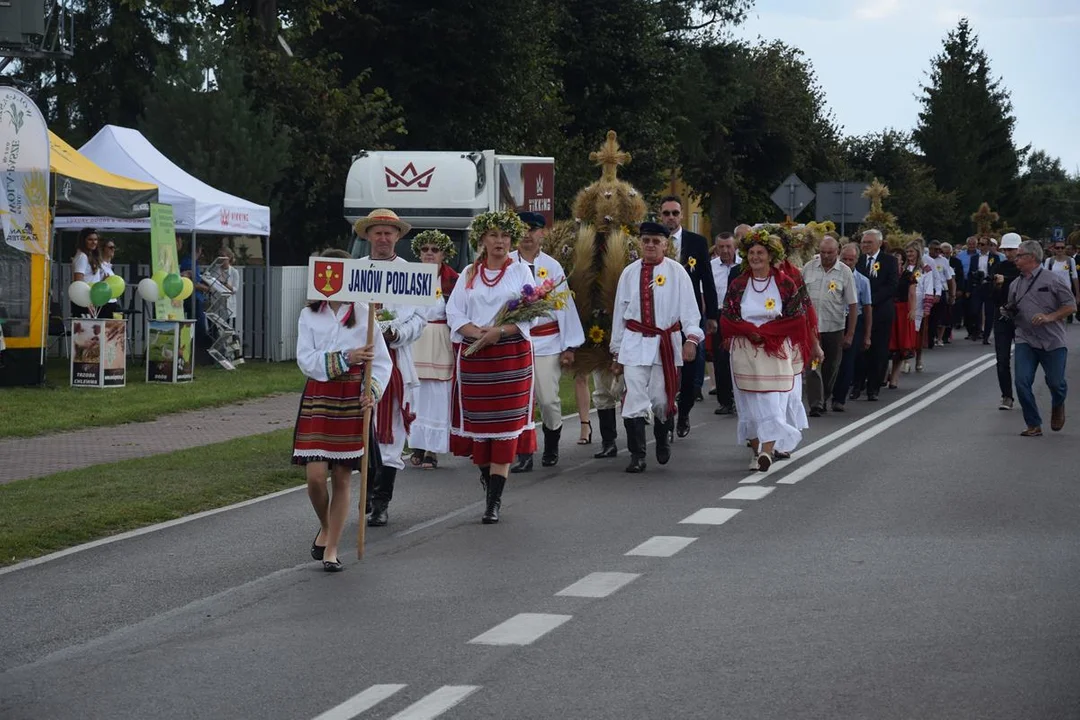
(438,702)
(846,431)
(661,546)
(751,492)
(361,702)
(821,461)
(521,629)
(598,584)
(710,516)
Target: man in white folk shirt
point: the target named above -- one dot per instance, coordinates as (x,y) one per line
(832,290)
(383,228)
(553,342)
(725,268)
(654,306)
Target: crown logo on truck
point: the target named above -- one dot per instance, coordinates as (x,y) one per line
(408,180)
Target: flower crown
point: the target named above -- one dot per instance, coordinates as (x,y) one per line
(434,237)
(505,220)
(762,237)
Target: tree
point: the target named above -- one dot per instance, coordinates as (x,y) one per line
(1049,197)
(965,129)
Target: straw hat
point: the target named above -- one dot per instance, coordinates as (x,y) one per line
(381,216)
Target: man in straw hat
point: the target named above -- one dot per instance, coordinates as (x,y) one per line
(401,326)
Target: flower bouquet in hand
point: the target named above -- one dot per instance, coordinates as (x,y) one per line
(385,318)
(535,301)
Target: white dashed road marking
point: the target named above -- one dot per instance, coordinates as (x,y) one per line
(710,516)
(521,629)
(361,702)
(662,546)
(438,702)
(752,492)
(598,584)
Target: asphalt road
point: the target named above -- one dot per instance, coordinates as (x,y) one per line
(916,559)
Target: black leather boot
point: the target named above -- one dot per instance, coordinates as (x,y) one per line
(485,477)
(635,443)
(494,499)
(551,447)
(524,464)
(381,497)
(609,432)
(662,435)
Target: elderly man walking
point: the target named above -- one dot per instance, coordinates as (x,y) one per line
(1039,301)
(831,286)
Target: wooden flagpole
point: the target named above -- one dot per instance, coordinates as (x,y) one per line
(361,532)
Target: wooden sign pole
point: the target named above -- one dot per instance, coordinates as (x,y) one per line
(361,532)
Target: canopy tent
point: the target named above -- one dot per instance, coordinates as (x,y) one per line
(197,207)
(81,188)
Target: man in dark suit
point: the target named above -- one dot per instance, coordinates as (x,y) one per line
(724,270)
(884,274)
(692,250)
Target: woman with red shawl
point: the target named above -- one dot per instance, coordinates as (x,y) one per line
(765,325)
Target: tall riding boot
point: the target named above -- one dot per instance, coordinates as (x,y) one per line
(524,464)
(494,499)
(551,446)
(381,497)
(609,432)
(662,435)
(635,443)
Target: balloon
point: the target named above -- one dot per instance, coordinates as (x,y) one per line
(100,293)
(79,293)
(172,285)
(189,287)
(159,279)
(116,285)
(149,290)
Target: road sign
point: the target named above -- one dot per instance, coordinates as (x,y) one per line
(842,202)
(792,196)
(1059,234)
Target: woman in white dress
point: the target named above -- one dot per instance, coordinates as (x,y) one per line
(433,357)
(764,324)
(927,293)
(86,265)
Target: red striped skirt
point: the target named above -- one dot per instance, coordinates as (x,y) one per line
(491,402)
(330,423)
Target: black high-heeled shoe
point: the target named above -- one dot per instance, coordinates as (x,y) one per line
(586,440)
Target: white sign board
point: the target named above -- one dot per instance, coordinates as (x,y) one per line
(372,281)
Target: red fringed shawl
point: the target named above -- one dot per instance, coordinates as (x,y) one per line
(793,325)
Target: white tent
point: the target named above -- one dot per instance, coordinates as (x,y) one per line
(197,207)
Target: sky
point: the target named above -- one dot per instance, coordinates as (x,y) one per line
(872,56)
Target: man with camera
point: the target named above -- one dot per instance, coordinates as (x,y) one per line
(1004,274)
(1038,303)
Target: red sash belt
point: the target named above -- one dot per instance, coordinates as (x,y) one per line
(667,357)
(545,330)
(394,395)
(437,322)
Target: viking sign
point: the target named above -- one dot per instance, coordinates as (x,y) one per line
(372,281)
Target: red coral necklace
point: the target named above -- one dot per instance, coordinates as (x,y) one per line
(498,277)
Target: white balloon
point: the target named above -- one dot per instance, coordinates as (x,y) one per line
(149,290)
(79,293)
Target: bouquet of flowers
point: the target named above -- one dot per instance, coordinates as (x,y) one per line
(535,301)
(385,318)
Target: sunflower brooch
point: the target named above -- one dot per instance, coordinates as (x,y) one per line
(877,267)
(596,334)
(770,304)
(542,273)
(832,286)
(692,262)
(660,280)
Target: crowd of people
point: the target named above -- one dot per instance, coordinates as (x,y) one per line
(788,341)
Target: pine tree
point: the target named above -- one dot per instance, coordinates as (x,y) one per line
(966,126)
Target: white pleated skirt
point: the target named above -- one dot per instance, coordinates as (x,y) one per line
(431,429)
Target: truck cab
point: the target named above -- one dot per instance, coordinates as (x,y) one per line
(445,190)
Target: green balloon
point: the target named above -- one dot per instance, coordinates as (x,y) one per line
(172,285)
(100,293)
(116,285)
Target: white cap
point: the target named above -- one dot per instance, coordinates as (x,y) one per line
(1010,241)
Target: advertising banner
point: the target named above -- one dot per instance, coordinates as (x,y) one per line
(24,169)
(98,353)
(170,351)
(163,258)
(372,281)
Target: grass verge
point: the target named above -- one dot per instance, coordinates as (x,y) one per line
(42,515)
(27,412)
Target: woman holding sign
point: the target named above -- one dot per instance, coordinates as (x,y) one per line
(329,434)
(491,405)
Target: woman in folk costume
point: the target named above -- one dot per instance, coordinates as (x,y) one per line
(905,336)
(492,399)
(329,435)
(764,326)
(930,288)
(654,305)
(433,357)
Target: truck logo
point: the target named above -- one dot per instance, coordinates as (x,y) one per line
(408,180)
(539,186)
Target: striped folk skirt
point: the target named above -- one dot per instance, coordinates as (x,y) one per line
(492,402)
(330,424)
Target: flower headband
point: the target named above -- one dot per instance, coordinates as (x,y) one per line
(434,237)
(505,220)
(762,237)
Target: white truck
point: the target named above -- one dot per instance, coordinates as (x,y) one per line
(445,190)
